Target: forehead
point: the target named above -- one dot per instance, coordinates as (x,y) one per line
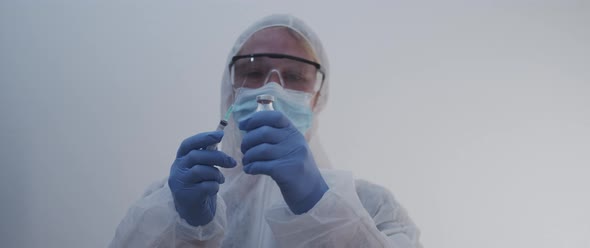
(276,40)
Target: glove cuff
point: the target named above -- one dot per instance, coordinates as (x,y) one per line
(311,199)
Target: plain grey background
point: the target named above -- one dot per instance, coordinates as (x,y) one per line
(475,114)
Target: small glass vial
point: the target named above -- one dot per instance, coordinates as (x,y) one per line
(265,102)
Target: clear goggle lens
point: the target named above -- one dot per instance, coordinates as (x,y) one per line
(255,70)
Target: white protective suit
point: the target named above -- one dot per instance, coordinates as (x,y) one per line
(251,211)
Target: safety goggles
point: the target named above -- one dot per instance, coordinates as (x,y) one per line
(255,70)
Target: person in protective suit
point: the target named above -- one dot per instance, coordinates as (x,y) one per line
(271,184)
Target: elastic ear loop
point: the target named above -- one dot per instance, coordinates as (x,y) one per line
(235,90)
(319,81)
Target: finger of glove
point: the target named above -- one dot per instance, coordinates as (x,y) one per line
(199,141)
(204,157)
(196,193)
(265,152)
(261,135)
(260,167)
(274,119)
(202,173)
(209,187)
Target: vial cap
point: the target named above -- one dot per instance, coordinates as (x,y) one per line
(265,98)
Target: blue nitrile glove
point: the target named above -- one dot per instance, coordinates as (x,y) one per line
(194,181)
(273,146)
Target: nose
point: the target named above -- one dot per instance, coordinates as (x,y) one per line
(274,76)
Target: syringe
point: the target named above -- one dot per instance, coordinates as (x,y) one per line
(221,126)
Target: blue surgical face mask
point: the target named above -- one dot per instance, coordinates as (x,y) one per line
(296,105)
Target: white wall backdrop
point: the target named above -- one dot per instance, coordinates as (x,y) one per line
(477,116)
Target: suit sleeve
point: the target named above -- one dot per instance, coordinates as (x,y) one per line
(153,222)
(341,219)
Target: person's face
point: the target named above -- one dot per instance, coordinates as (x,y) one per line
(277,40)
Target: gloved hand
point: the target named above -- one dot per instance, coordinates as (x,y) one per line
(272,146)
(194,181)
